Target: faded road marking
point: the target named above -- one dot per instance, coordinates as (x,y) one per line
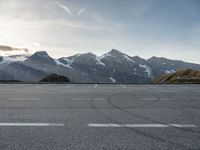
(123,86)
(30,124)
(23,98)
(142,125)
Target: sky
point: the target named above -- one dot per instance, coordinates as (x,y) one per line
(163,28)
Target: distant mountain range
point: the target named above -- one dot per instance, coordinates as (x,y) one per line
(112,67)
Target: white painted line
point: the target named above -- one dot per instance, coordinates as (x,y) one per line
(123,86)
(80,98)
(147,99)
(88,98)
(99,99)
(68,86)
(23,98)
(95,86)
(31,124)
(143,125)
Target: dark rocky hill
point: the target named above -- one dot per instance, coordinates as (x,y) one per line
(55,79)
(181,76)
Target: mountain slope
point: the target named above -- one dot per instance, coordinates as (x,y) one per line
(165,66)
(41,60)
(122,68)
(19,71)
(111,67)
(181,76)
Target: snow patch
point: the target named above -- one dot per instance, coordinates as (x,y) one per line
(68,65)
(147,69)
(105,55)
(15,58)
(99,62)
(77,55)
(113,80)
(129,59)
(169,71)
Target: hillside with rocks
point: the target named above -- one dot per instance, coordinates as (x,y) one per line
(111,67)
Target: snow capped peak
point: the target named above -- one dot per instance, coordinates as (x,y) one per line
(115,51)
(117,55)
(77,55)
(40,59)
(112,53)
(89,54)
(41,54)
(85,57)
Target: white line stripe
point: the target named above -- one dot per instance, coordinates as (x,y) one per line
(123,86)
(82,98)
(23,98)
(31,124)
(68,86)
(95,86)
(143,125)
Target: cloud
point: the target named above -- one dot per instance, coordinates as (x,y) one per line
(9,49)
(36,44)
(139,11)
(82,10)
(65,8)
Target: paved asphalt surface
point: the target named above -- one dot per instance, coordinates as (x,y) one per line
(99,117)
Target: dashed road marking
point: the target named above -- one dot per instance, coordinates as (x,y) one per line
(23,98)
(68,86)
(142,125)
(95,85)
(31,124)
(123,86)
(89,98)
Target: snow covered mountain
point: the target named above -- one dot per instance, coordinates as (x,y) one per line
(13,58)
(166,66)
(111,67)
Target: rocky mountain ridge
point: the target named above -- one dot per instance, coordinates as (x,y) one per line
(112,67)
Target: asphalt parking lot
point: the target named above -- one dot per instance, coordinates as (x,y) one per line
(99,117)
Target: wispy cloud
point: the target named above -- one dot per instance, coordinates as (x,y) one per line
(82,10)
(8,49)
(138,12)
(65,8)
